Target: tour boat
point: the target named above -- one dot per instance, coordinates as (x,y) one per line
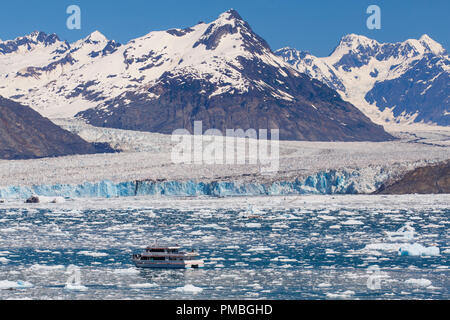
(167,258)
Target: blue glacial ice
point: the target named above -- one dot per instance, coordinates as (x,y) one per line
(416,250)
(330,182)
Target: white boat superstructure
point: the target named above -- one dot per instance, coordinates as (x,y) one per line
(167,257)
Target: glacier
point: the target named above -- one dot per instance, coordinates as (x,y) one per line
(322,183)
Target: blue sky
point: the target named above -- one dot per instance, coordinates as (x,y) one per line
(315,26)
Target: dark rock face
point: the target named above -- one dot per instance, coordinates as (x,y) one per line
(110,48)
(33,199)
(426,180)
(25,134)
(38,71)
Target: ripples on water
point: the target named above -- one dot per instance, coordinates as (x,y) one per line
(264,248)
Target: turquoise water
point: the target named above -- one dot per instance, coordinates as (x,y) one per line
(257,252)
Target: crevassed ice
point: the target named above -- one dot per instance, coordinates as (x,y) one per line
(332,182)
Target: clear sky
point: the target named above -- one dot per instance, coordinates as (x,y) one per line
(312,25)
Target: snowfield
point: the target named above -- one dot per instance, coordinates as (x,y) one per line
(315,167)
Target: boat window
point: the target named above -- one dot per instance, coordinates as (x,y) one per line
(155,250)
(159,258)
(174,258)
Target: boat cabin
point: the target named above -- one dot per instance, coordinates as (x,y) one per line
(169,250)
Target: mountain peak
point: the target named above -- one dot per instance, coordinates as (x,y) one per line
(431,44)
(230,15)
(356,39)
(42,37)
(95,37)
(29,42)
(231,23)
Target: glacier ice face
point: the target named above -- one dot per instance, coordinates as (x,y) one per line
(330,182)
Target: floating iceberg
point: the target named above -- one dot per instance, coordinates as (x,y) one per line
(416,250)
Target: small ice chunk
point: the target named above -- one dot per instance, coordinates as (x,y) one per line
(253,225)
(352,222)
(324,285)
(75,287)
(143,285)
(257,249)
(45,268)
(423,283)
(327,218)
(93,254)
(344,295)
(189,289)
(4,260)
(404,233)
(126,271)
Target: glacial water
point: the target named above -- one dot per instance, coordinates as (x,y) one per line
(309,247)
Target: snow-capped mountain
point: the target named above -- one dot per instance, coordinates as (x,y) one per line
(220,72)
(49,75)
(402,82)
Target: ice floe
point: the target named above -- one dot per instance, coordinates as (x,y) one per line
(75,287)
(4,260)
(352,222)
(423,283)
(6,284)
(143,285)
(129,271)
(405,233)
(342,295)
(189,289)
(45,268)
(93,254)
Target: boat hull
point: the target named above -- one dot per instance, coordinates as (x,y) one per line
(165,265)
